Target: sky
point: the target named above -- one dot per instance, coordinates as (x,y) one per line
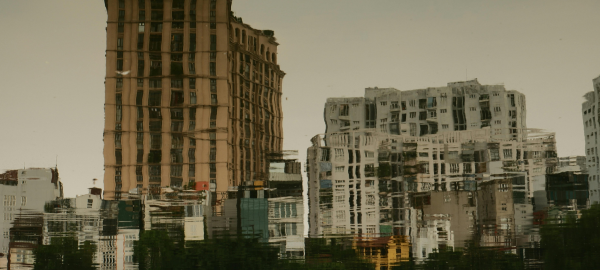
(52,66)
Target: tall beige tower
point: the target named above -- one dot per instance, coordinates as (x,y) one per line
(193,98)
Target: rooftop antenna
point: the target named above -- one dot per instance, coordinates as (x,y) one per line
(56,164)
(94,180)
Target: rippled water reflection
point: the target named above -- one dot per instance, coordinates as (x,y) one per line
(182,230)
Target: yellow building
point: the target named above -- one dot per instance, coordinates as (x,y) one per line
(384,252)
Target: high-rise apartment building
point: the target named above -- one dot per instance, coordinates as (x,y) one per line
(591,121)
(192,95)
(458,106)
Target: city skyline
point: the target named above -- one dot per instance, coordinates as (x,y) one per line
(57,110)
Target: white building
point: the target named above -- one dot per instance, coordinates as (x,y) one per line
(458,106)
(25,191)
(375,184)
(590,113)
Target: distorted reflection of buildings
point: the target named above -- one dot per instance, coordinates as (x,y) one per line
(271,212)
(439,188)
(590,117)
(193,94)
(24,191)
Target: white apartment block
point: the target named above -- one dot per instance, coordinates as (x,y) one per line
(366,183)
(590,127)
(25,191)
(458,106)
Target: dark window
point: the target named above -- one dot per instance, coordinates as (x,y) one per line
(176,156)
(178,4)
(155,125)
(192,83)
(118,157)
(192,156)
(141,68)
(176,83)
(154,98)
(156,15)
(177,114)
(154,156)
(176,42)
(155,68)
(156,27)
(213,113)
(154,113)
(176,68)
(177,57)
(156,4)
(213,69)
(155,42)
(176,98)
(213,42)
(192,42)
(177,15)
(155,141)
(155,83)
(213,85)
(139,97)
(192,113)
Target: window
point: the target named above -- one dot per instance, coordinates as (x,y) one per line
(472,109)
(176,98)
(156,27)
(118,156)
(213,85)
(156,15)
(90,202)
(413,114)
(444,126)
(192,97)
(155,83)
(494,154)
(177,114)
(443,110)
(213,42)
(192,42)
(117,139)
(9,200)
(213,99)
(192,68)
(155,41)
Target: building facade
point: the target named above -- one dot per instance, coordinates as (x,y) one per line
(193,94)
(437,190)
(458,106)
(25,192)
(590,114)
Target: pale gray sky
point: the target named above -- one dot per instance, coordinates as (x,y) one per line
(52,65)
